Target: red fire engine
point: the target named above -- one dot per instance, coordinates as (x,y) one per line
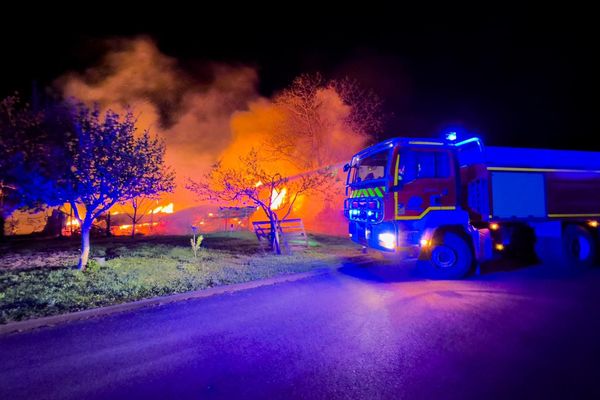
(455,204)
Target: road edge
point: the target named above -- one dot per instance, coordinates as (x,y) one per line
(31,324)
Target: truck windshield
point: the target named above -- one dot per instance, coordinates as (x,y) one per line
(370,168)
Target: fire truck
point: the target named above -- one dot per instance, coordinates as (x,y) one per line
(455,204)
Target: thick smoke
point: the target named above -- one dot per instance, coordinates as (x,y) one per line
(219,117)
(193,117)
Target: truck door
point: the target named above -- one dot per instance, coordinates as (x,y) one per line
(424,181)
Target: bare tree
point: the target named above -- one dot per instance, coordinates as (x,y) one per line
(140,206)
(314,109)
(251,182)
(322,122)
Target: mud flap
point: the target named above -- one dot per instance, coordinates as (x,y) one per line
(482,244)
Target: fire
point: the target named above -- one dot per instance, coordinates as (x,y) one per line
(72,222)
(168,209)
(129,226)
(277,198)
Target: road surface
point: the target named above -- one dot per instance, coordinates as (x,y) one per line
(361,332)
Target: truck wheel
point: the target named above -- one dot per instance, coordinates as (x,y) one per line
(579,246)
(452,258)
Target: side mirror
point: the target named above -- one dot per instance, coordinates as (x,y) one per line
(346,167)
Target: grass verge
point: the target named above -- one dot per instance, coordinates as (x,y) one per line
(148,267)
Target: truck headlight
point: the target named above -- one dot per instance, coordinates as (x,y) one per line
(387,240)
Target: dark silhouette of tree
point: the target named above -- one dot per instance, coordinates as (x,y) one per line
(32,155)
(320,123)
(314,109)
(140,207)
(252,182)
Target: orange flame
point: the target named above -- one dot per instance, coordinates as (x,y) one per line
(129,226)
(277,198)
(72,222)
(168,209)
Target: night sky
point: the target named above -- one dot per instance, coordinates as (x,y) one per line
(515,76)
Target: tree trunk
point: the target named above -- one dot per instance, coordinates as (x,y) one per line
(85,245)
(133,221)
(2,225)
(274,234)
(108,234)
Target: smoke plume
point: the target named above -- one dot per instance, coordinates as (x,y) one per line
(217,117)
(192,116)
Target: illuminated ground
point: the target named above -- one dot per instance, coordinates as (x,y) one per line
(361,332)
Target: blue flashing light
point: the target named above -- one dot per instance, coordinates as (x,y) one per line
(451,136)
(467,141)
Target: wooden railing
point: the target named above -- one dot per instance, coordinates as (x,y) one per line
(291,234)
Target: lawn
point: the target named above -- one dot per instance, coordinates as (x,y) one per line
(37,276)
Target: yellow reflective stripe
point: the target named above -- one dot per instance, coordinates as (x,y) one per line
(425,212)
(519,169)
(372,192)
(572,215)
(396,183)
(427,143)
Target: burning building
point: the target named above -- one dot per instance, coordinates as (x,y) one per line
(219,117)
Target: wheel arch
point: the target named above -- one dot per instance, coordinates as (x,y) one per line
(593,232)
(459,230)
(439,235)
(582,224)
(435,234)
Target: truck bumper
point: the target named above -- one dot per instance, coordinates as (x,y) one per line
(385,237)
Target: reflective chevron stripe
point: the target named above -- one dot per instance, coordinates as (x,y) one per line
(369,192)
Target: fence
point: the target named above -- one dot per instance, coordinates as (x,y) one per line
(291,234)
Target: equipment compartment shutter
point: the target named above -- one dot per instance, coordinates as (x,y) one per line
(518,195)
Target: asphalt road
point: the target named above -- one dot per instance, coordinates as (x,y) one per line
(363,332)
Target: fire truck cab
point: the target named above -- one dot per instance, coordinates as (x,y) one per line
(454,204)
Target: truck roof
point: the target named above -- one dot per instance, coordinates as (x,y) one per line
(516,157)
(400,141)
(508,157)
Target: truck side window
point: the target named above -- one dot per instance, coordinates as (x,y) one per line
(433,164)
(423,164)
(442,164)
(407,169)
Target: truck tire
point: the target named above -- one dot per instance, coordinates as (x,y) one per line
(451,258)
(579,246)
